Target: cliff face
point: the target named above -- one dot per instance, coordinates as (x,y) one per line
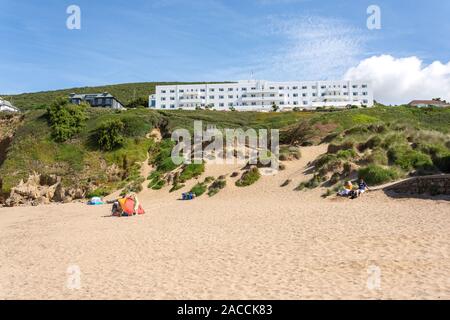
(8,126)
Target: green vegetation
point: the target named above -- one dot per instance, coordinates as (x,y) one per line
(376,175)
(109,135)
(216,186)
(191,171)
(65,119)
(248,178)
(199,189)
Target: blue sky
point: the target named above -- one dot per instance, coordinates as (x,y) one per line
(209,40)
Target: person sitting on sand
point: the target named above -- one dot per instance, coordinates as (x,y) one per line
(362,187)
(348,187)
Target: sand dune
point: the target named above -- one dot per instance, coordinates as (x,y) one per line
(260,242)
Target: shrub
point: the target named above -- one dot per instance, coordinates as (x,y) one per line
(109,135)
(372,143)
(314,182)
(248,178)
(191,171)
(346,145)
(408,159)
(176,187)
(346,154)
(199,189)
(376,175)
(286,183)
(216,186)
(377,156)
(65,119)
(99,192)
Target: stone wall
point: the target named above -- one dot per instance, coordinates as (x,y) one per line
(430,185)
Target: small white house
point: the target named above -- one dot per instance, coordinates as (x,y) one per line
(6,106)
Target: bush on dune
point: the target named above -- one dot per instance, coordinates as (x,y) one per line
(376,175)
(407,158)
(248,178)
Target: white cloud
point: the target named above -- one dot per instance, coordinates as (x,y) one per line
(313,47)
(400,80)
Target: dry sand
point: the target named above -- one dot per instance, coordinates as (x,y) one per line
(260,242)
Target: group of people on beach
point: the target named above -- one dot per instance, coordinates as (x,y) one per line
(350,191)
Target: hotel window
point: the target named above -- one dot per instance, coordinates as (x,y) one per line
(172,106)
(221,105)
(230,97)
(163,99)
(172,98)
(230,89)
(345,87)
(314,95)
(272,88)
(272,94)
(294,88)
(253,88)
(295,95)
(202,90)
(211,97)
(365,101)
(181,90)
(305,95)
(314,87)
(280,88)
(282,102)
(305,102)
(364,86)
(253,95)
(172,91)
(323,87)
(202,97)
(253,103)
(295,103)
(211,90)
(244,103)
(244,89)
(108,101)
(345,93)
(355,93)
(163,91)
(230,104)
(163,106)
(355,86)
(364,93)
(244,96)
(221,97)
(304,87)
(221,89)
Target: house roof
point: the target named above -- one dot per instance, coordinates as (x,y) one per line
(429,102)
(92,95)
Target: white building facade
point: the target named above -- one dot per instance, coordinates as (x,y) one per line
(259,95)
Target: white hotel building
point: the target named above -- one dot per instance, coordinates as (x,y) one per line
(258,95)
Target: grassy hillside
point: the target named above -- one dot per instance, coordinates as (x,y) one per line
(407,140)
(126,93)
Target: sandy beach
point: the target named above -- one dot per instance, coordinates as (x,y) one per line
(259,242)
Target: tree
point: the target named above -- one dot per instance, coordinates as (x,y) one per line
(275,108)
(110,134)
(66,119)
(140,102)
